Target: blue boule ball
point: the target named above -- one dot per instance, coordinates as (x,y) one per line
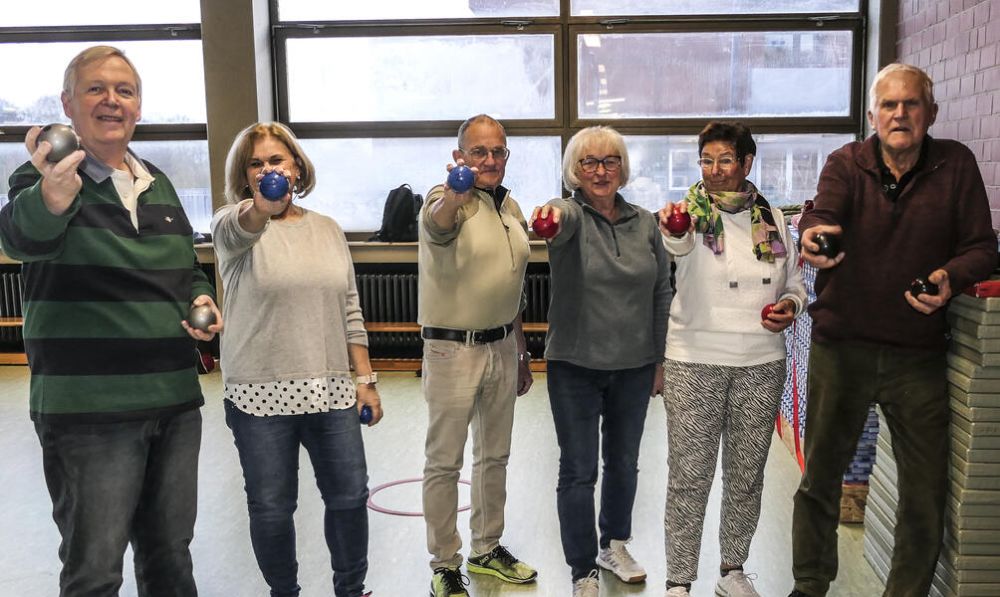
(273,186)
(460,179)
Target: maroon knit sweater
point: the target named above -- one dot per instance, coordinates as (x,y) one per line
(940,220)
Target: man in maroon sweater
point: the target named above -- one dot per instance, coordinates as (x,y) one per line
(903,206)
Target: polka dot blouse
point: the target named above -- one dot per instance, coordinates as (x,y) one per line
(292,397)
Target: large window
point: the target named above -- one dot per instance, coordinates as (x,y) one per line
(162,41)
(378,89)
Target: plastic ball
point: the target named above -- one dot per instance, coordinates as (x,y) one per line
(766,311)
(461,179)
(273,186)
(545,227)
(922,286)
(62,138)
(207,362)
(200,317)
(829,245)
(678,222)
(366,415)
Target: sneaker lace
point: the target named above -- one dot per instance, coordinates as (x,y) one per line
(739,577)
(454,581)
(591,580)
(505,557)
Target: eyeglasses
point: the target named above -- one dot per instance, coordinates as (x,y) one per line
(479,154)
(724,163)
(611,164)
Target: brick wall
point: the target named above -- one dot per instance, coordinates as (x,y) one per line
(958,43)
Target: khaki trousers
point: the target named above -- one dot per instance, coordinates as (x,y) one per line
(467,385)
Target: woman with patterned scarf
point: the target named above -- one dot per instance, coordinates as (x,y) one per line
(725,360)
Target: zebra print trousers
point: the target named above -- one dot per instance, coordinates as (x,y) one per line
(706,403)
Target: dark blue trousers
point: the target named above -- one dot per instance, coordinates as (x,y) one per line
(595,412)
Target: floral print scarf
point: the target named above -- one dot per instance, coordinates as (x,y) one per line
(705,206)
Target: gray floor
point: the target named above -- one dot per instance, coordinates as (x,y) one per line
(225,567)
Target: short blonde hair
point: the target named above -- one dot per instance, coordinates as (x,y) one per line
(588,139)
(237,185)
(896,68)
(93,54)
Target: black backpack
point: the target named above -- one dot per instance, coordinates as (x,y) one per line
(399,218)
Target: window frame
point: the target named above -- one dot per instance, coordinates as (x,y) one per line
(566,29)
(98,34)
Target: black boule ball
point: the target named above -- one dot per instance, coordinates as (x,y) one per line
(922,286)
(829,244)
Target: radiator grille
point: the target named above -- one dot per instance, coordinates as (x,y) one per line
(385,297)
(11,306)
(388,297)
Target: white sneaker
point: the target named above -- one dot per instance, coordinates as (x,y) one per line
(677,592)
(618,560)
(587,586)
(736,584)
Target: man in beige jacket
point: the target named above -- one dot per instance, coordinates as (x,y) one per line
(473,255)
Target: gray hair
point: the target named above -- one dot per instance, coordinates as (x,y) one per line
(926,84)
(473,120)
(93,54)
(588,138)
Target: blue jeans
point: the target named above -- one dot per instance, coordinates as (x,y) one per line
(269,454)
(580,398)
(116,483)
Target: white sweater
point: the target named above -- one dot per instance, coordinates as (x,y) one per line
(715,315)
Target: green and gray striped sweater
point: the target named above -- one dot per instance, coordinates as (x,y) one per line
(103,302)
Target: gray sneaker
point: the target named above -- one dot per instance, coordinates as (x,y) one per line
(736,584)
(617,559)
(588,586)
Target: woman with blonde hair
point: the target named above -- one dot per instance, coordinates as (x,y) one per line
(294,332)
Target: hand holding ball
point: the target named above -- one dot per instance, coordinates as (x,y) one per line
(461,178)
(366,415)
(678,222)
(829,245)
(201,317)
(273,186)
(545,227)
(922,286)
(62,139)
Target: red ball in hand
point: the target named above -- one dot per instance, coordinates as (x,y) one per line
(545,227)
(678,222)
(767,310)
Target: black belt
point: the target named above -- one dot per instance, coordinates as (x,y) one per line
(467,336)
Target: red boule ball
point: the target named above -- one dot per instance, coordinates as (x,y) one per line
(545,227)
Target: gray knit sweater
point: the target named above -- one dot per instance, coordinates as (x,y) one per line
(290,302)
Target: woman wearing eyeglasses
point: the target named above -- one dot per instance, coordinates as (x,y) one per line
(725,358)
(607,324)
(296,333)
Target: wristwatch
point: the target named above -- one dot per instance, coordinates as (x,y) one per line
(370,379)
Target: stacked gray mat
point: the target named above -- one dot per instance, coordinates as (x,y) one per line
(970,559)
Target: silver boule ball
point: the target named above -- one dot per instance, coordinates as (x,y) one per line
(201,317)
(62,138)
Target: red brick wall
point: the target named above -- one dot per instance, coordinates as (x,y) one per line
(958,43)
